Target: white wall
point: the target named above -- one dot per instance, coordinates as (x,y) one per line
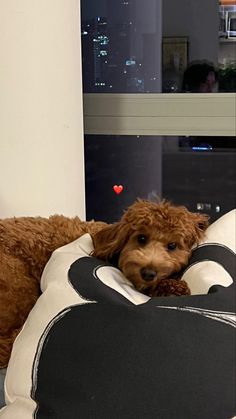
(41,131)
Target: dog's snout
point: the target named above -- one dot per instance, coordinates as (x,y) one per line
(148,274)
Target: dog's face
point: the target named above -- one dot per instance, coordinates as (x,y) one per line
(152,241)
(150,256)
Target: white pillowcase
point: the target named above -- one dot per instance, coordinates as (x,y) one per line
(202,275)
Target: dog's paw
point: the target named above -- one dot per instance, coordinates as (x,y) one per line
(168,287)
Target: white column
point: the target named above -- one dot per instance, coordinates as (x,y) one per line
(41,125)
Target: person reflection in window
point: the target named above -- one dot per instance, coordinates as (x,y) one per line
(200,77)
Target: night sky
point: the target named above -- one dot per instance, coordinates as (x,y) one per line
(92,8)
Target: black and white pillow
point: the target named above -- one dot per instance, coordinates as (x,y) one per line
(94,347)
(213,261)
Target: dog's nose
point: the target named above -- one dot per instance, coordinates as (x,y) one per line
(148,274)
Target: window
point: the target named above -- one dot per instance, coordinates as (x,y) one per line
(133,51)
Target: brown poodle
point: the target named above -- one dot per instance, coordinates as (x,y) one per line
(26,244)
(151,245)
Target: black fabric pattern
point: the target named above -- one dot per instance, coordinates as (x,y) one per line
(89,286)
(170,358)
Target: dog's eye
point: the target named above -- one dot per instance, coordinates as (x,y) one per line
(171,246)
(142,239)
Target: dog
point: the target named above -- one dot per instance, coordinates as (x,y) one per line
(26,244)
(151,245)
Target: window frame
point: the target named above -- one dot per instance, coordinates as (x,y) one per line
(199,114)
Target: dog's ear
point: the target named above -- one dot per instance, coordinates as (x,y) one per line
(200,224)
(109,241)
(201,221)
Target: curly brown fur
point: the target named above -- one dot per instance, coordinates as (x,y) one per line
(26,244)
(151,244)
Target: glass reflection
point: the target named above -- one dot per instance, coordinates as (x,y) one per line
(132,46)
(197,172)
(121,44)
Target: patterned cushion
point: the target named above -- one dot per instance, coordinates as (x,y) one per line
(207,265)
(93,347)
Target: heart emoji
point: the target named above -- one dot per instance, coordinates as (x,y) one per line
(118,189)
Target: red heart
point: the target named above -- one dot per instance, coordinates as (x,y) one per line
(118,189)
